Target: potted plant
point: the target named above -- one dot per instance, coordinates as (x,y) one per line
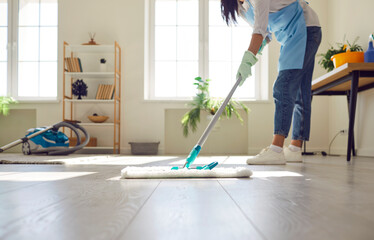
(327,58)
(203,102)
(79,88)
(4,104)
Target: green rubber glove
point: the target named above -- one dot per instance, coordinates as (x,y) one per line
(264,42)
(249,59)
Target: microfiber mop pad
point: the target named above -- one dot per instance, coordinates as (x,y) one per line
(166,172)
(206,171)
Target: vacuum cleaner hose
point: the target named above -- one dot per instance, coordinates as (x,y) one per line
(74,127)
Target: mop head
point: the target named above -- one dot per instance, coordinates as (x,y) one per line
(166,172)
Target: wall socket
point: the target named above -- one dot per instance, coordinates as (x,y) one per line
(344,131)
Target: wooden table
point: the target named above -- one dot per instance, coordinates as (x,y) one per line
(348,79)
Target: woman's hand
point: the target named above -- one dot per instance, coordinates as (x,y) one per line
(249,59)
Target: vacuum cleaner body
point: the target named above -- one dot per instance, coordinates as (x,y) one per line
(50,140)
(45,142)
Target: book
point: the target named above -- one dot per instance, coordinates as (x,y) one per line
(71,65)
(68,66)
(99,89)
(111,92)
(75,65)
(106,93)
(80,65)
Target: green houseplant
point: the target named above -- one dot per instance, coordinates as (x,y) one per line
(326,61)
(4,104)
(203,102)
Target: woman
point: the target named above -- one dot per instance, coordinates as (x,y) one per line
(296,26)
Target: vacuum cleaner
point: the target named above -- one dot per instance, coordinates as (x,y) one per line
(49,140)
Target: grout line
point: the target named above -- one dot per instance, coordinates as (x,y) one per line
(137,212)
(241,210)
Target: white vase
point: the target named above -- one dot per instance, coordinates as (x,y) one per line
(103,67)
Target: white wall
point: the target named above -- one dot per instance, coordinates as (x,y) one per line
(352,18)
(124,21)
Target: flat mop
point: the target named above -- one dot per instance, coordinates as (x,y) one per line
(206,171)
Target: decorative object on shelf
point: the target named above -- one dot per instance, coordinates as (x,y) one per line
(349,53)
(4,104)
(144,148)
(97,119)
(79,88)
(105,91)
(203,102)
(369,54)
(103,65)
(73,65)
(92,41)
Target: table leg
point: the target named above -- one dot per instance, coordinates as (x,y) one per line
(353,134)
(352,111)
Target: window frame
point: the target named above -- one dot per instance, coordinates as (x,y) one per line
(203,61)
(12,53)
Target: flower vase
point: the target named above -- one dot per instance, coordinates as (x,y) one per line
(103,67)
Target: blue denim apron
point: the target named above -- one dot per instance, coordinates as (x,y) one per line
(289,28)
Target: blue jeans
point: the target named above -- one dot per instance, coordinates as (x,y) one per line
(292,93)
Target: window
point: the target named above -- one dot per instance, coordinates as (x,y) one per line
(3,46)
(29,52)
(188,38)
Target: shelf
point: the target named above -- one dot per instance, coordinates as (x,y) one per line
(70,104)
(96,124)
(91,48)
(89,101)
(109,148)
(90,74)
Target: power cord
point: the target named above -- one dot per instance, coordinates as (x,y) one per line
(340,132)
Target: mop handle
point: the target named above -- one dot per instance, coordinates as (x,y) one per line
(218,114)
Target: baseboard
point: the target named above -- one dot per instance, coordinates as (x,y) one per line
(365,152)
(361,152)
(338,151)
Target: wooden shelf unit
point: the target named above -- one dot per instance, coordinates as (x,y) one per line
(115,74)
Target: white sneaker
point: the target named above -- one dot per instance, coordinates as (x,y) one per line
(267,157)
(291,156)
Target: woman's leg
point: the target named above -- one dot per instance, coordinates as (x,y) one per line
(302,110)
(285,94)
(292,97)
